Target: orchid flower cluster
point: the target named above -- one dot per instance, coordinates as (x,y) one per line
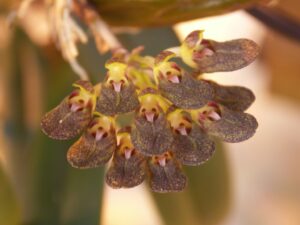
(151,116)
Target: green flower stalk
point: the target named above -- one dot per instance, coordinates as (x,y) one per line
(176,114)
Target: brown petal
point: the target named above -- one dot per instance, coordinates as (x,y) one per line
(61,123)
(227,56)
(233,126)
(126,171)
(166,174)
(111,102)
(152,137)
(189,93)
(233,97)
(87,152)
(193,149)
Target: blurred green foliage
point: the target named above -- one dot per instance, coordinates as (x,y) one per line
(48,189)
(163,12)
(9,208)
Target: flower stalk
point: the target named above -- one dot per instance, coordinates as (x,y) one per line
(67,33)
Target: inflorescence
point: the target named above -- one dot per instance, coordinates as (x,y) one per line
(151,116)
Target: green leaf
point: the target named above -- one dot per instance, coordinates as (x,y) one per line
(163,12)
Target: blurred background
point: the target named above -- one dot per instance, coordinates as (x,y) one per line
(256,182)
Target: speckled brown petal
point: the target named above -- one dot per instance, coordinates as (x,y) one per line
(111,102)
(188,94)
(166,174)
(233,126)
(126,172)
(193,149)
(63,124)
(152,138)
(234,97)
(227,56)
(89,153)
